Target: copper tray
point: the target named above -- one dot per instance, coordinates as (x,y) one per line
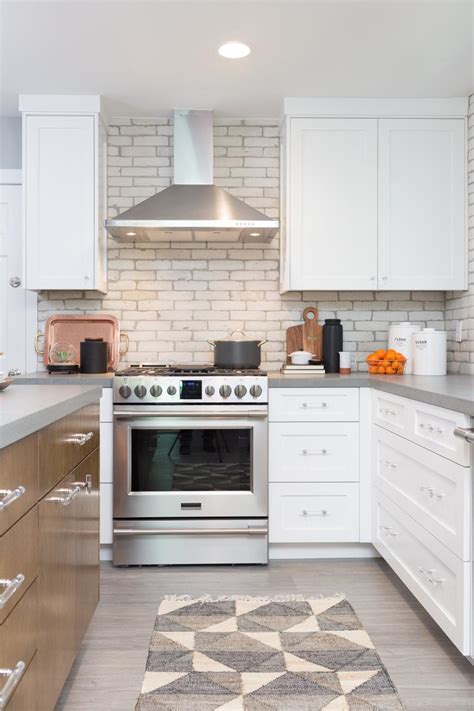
(74,329)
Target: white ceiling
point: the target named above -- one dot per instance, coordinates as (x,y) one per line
(148,56)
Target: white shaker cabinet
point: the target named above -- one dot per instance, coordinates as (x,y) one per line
(64,163)
(331,204)
(422,176)
(373,195)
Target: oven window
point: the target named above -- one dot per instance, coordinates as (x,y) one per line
(191,460)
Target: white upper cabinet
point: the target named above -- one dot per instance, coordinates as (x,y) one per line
(64,161)
(332,216)
(422,176)
(375,200)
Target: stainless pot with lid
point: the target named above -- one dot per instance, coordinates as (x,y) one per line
(237,353)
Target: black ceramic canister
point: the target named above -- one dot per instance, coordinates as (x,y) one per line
(94,356)
(332,344)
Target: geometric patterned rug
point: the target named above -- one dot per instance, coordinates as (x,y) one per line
(287,653)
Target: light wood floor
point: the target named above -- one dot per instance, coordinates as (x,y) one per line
(428,671)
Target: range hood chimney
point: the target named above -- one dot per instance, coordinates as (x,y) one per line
(192,209)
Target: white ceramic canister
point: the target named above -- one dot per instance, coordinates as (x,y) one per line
(400,339)
(429,352)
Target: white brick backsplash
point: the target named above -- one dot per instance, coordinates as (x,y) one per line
(172,297)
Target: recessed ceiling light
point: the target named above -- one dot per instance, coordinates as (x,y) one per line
(234,50)
(131,234)
(255,234)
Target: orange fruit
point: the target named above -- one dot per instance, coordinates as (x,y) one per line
(381,370)
(380,353)
(386,363)
(373,369)
(390,354)
(389,371)
(400,357)
(400,369)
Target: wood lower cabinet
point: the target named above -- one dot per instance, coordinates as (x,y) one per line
(49,557)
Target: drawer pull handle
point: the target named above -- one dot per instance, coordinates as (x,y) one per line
(11,586)
(81,438)
(466,433)
(315,451)
(389,530)
(431,428)
(388,463)
(13,676)
(428,571)
(433,492)
(10,495)
(386,528)
(314,407)
(387,411)
(323,512)
(436,581)
(86,484)
(70,495)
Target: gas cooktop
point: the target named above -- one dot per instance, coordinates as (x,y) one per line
(151,369)
(145,383)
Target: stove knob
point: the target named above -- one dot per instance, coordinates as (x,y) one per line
(140,391)
(125,391)
(171,390)
(255,390)
(156,390)
(225,390)
(240,391)
(210,390)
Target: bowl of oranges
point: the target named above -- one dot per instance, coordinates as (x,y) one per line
(388,362)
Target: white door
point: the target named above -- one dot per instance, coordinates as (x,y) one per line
(422,177)
(17,306)
(333,203)
(60,201)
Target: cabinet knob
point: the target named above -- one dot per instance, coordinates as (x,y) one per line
(15,282)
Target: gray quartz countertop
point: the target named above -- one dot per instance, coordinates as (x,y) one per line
(455,392)
(27,410)
(102,380)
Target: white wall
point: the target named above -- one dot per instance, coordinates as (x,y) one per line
(10,142)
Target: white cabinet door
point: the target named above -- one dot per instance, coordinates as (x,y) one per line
(60,201)
(422,175)
(333,204)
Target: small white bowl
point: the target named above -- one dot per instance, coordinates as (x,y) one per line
(301,357)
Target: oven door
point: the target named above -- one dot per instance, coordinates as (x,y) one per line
(186,462)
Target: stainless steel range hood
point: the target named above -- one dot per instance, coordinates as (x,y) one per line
(193,209)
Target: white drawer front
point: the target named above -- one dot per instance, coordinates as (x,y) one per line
(391,412)
(433,428)
(434,491)
(313,404)
(437,578)
(313,513)
(300,452)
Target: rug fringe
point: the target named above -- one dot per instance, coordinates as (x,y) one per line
(248,598)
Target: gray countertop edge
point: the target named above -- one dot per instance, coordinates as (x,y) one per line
(103,380)
(27,424)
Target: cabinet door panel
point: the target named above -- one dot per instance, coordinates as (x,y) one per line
(86,475)
(422,174)
(60,201)
(333,203)
(57,641)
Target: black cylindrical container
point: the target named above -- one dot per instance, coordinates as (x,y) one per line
(94,356)
(332,344)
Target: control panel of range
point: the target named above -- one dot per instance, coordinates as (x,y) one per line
(176,389)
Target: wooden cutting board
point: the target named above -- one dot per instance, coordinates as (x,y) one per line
(307,337)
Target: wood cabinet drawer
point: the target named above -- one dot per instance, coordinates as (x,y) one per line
(25,695)
(435,576)
(391,412)
(313,513)
(434,491)
(433,428)
(18,561)
(19,632)
(19,480)
(313,452)
(65,443)
(313,404)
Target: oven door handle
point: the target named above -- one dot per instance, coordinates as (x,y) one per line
(193,411)
(256,531)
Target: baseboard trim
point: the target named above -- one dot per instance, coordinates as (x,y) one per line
(322,550)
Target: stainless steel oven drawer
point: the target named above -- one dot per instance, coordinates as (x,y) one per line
(190,541)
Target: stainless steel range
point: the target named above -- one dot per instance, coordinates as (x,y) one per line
(190,465)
